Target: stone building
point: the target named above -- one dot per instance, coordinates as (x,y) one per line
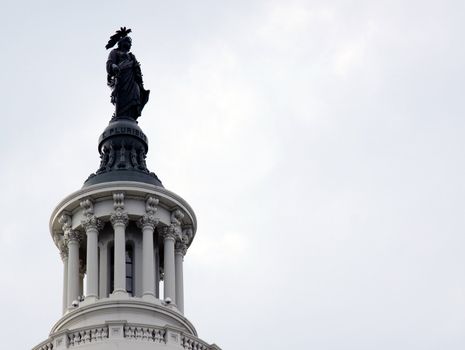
(122,238)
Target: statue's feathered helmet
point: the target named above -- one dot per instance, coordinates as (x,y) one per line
(120,34)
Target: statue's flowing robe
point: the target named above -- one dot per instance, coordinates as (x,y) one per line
(129,95)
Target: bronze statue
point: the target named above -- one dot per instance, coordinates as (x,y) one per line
(125,78)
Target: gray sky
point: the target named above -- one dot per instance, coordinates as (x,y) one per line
(319,142)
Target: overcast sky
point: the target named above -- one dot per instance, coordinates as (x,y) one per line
(320,144)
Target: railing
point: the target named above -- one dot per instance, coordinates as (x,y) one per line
(191,343)
(131,332)
(89,335)
(156,335)
(47,345)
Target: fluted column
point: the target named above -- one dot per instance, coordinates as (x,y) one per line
(169,237)
(119,219)
(92,225)
(148,223)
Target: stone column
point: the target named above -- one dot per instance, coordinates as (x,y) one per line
(92,225)
(71,239)
(148,223)
(74,239)
(119,219)
(157,271)
(103,271)
(64,257)
(180,251)
(169,237)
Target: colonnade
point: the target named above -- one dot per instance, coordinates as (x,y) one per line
(175,241)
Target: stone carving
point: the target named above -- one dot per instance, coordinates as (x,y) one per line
(133,332)
(125,77)
(134,161)
(187,235)
(119,216)
(87,336)
(122,164)
(183,240)
(150,209)
(61,244)
(73,236)
(142,163)
(176,217)
(180,247)
(156,335)
(65,221)
(169,232)
(88,206)
(151,205)
(189,343)
(90,221)
(47,346)
(174,230)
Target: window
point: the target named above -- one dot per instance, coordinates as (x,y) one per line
(129,261)
(129,269)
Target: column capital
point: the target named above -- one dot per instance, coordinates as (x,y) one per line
(119,217)
(169,232)
(73,236)
(62,245)
(180,248)
(148,220)
(90,221)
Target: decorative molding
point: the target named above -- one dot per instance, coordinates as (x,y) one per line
(85,336)
(191,343)
(131,332)
(88,206)
(61,244)
(151,205)
(176,217)
(119,216)
(153,334)
(180,247)
(140,190)
(65,221)
(47,345)
(149,218)
(169,232)
(73,236)
(187,235)
(90,221)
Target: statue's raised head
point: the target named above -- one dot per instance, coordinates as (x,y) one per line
(121,37)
